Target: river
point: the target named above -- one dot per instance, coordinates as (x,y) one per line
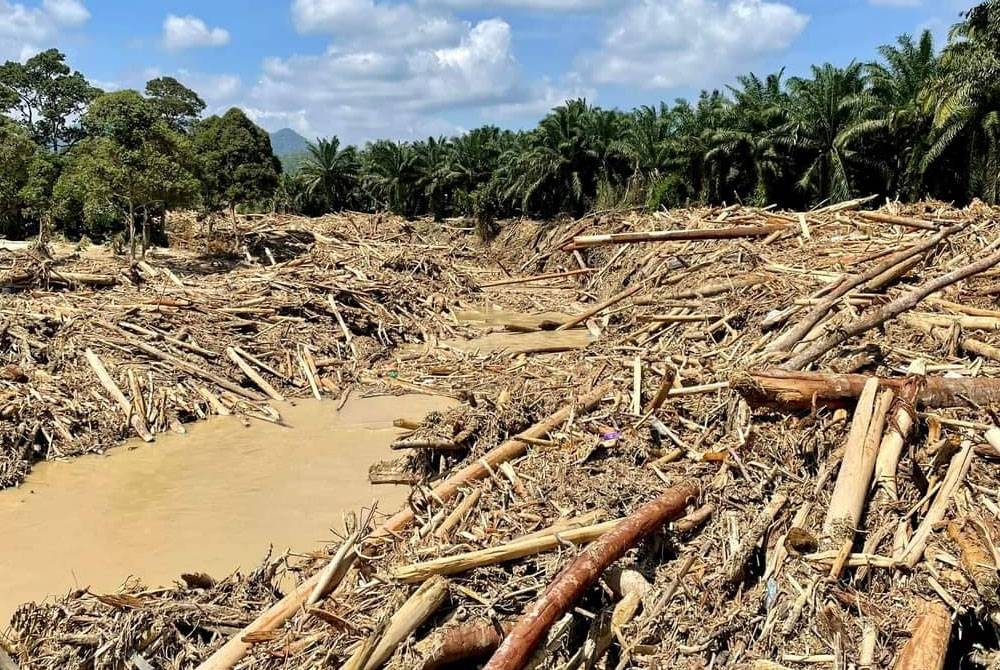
(208,501)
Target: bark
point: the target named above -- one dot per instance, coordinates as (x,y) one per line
(578,576)
(905,302)
(928,644)
(786,390)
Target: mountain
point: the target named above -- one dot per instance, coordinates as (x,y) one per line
(289,147)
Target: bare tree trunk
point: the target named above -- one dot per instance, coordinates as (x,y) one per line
(131,231)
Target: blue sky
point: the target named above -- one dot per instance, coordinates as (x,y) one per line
(363,69)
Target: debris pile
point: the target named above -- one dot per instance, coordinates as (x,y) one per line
(704,438)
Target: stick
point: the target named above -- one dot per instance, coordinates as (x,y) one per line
(907,301)
(541,277)
(230,653)
(788,390)
(137,421)
(959,466)
(905,221)
(571,583)
(261,383)
(457,515)
(417,608)
(751,536)
(613,300)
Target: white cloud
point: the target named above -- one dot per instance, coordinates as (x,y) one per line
(26,30)
(185,32)
(535,5)
(895,3)
(377,80)
(668,43)
(358,21)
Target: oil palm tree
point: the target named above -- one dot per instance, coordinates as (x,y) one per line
(329,173)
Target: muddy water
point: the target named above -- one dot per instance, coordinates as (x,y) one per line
(209,501)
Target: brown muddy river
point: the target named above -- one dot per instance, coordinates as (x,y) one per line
(209,501)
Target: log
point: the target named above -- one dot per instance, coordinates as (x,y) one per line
(849,492)
(882,272)
(586,241)
(789,390)
(905,221)
(596,309)
(905,302)
(576,578)
(899,428)
(534,278)
(235,649)
(417,608)
(468,641)
(137,421)
(930,634)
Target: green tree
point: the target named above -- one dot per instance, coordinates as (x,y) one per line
(17,151)
(178,105)
(46,97)
(131,166)
(329,173)
(390,177)
(237,165)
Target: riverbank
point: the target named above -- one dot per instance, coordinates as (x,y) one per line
(797,545)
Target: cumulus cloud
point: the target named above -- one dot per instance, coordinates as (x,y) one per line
(392,70)
(186,32)
(895,3)
(668,43)
(535,5)
(27,29)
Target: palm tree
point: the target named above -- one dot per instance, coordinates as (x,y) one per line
(745,141)
(821,110)
(897,121)
(390,177)
(430,163)
(329,173)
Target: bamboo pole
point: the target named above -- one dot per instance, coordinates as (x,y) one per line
(577,577)
(235,649)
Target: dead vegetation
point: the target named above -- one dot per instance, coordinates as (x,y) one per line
(768,447)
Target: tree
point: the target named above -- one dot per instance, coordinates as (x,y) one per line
(237,165)
(390,176)
(821,110)
(46,97)
(131,166)
(178,105)
(329,173)
(17,151)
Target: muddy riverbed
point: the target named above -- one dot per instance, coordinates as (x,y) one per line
(209,501)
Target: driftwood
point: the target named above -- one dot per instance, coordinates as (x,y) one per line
(518,647)
(236,648)
(468,641)
(899,428)
(586,241)
(107,381)
(788,390)
(905,302)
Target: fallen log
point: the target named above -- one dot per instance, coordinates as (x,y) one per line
(230,653)
(891,448)
(577,577)
(892,219)
(137,421)
(789,390)
(586,241)
(468,641)
(905,302)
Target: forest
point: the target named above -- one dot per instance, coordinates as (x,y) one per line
(916,121)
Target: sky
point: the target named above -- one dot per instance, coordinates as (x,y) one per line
(408,69)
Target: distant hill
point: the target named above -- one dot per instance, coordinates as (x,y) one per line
(289,147)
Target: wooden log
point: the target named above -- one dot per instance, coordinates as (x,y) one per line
(576,578)
(882,272)
(511,551)
(194,370)
(789,390)
(417,608)
(708,290)
(905,221)
(230,653)
(905,302)
(843,502)
(457,515)
(254,376)
(135,419)
(977,559)
(930,634)
(466,642)
(586,241)
(891,448)
(536,278)
(600,307)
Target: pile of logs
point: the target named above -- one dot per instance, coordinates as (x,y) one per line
(776,446)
